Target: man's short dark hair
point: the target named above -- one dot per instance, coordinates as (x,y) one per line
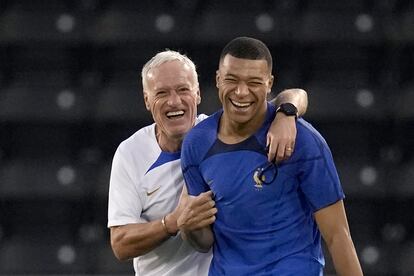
(247,48)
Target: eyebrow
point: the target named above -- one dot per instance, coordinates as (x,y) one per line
(250,79)
(230,75)
(174,87)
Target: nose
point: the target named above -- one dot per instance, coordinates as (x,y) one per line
(174,98)
(242,89)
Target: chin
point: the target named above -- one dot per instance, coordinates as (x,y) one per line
(179,133)
(241,119)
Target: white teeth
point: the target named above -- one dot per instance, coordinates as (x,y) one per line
(175,113)
(241,104)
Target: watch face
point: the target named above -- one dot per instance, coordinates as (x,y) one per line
(288,109)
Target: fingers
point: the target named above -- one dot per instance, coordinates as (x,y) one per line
(183,199)
(281,138)
(201,199)
(199,212)
(208,193)
(201,206)
(184,191)
(271,154)
(191,220)
(285,152)
(205,217)
(184,195)
(288,151)
(198,200)
(193,224)
(203,223)
(279,151)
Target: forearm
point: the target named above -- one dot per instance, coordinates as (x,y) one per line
(133,240)
(333,224)
(344,255)
(201,239)
(295,96)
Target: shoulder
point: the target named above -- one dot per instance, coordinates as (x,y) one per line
(138,149)
(205,128)
(138,141)
(308,139)
(200,117)
(307,131)
(200,138)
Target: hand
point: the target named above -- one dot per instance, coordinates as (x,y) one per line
(199,212)
(281,138)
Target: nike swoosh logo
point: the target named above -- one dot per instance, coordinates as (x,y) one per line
(150,193)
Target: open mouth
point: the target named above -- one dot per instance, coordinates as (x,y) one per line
(240,105)
(175,114)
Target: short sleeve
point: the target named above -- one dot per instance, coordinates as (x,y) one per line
(319,178)
(194,181)
(201,117)
(124,202)
(190,167)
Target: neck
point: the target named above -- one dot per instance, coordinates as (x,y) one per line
(168,144)
(232,132)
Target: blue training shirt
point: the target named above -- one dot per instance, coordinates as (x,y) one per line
(266,229)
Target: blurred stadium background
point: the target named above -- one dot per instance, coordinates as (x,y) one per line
(70,92)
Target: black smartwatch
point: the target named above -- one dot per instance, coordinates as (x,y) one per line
(288,109)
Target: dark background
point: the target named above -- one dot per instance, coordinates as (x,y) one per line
(70,92)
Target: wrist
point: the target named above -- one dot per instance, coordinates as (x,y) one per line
(169,224)
(287,109)
(282,116)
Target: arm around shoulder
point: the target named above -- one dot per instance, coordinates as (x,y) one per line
(296,96)
(282,133)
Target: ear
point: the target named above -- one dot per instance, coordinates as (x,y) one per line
(198,97)
(147,105)
(217,78)
(270,84)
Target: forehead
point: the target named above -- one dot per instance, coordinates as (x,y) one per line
(244,67)
(170,73)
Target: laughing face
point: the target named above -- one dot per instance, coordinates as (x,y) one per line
(172,96)
(243,86)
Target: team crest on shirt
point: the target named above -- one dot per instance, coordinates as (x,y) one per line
(258,178)
(265,174)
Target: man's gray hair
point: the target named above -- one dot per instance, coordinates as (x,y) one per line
(163,57)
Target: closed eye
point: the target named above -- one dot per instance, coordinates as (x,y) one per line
(255,83)
(161,93)
(183,89)
(229,80)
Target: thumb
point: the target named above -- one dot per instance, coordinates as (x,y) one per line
(184,192)
(209,193)
(268,138)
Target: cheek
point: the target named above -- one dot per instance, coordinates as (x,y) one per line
(155,107)
(260,93)
(192,102)
(221,94)
(221,98)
